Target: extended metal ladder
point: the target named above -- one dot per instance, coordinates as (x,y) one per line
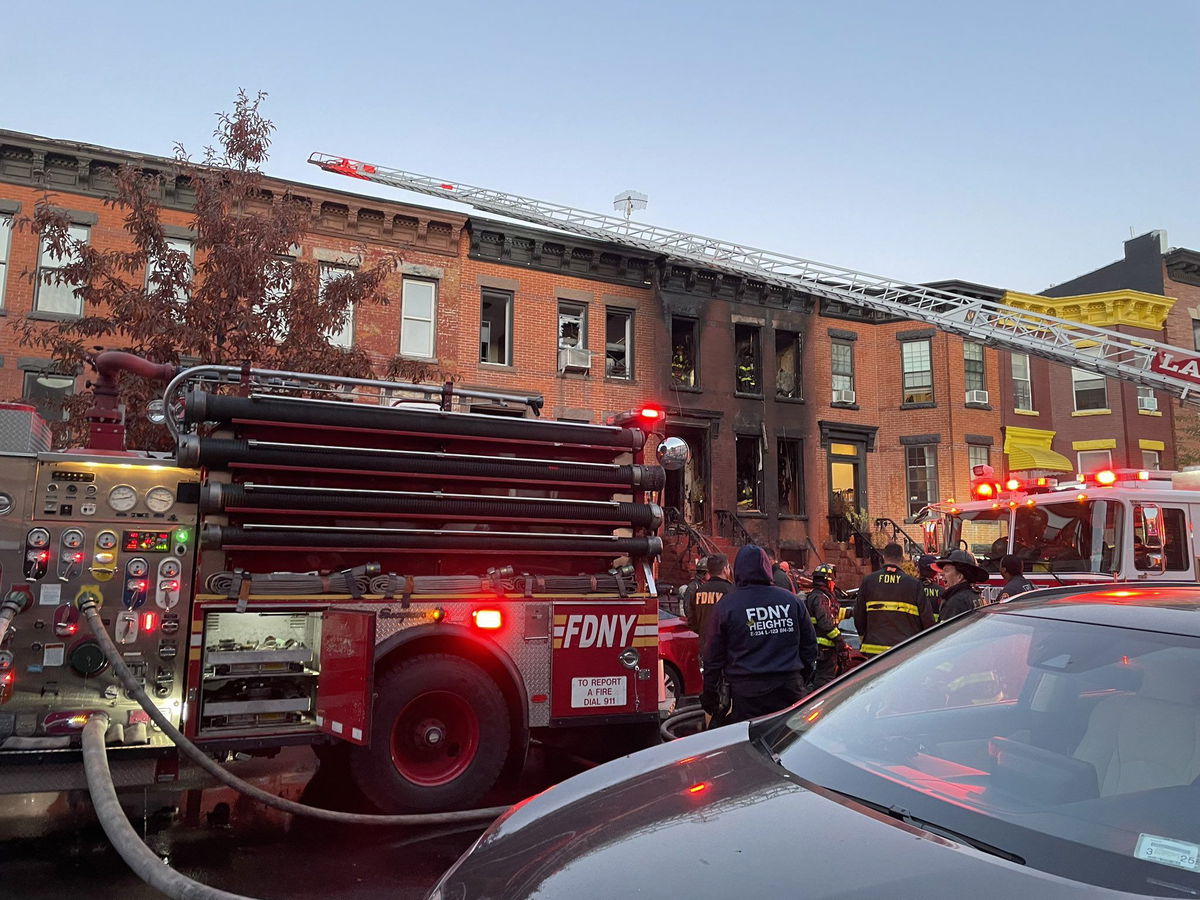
(1152,364)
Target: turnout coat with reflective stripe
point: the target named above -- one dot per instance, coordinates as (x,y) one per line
(891,607)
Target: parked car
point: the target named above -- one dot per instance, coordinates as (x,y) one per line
(1043,748)
(679,648)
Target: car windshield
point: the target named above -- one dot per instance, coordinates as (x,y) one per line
(1072,747)
(1059,537)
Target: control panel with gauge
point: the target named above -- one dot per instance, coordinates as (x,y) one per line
(124,530)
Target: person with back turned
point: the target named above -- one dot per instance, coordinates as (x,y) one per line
(760,640)
(891,605)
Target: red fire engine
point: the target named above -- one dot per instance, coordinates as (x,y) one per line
(391,565)
(1108,525)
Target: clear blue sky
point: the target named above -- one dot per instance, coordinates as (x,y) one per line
(1010,143)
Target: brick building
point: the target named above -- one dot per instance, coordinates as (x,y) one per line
(1063,420)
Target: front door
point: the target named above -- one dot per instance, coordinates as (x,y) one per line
(687,488)
(847,487)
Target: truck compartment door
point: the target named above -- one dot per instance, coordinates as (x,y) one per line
(347,674)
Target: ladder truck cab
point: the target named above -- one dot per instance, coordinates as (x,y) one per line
(1103,526)
(336,560)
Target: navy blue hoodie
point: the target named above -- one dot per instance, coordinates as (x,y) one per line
(757,629)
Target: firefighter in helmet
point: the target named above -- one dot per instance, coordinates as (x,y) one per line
(822,608)
(930,582)
(747,377)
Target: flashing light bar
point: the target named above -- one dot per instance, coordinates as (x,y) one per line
(487,619)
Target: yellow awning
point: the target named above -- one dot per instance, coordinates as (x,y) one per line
(1027,456)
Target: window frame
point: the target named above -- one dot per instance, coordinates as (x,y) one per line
(692,324)
(568,309)
(794,343)
(752,335)
(756,507)
(508,298)
(351,313)
(611,313)
(971,454)
(1026,379)
(1154,466)
(914,393)
(1196,333)
(152,266)
(974,370)
(791,449)
(6,230)
(1079,375)
(834,345)
(930,479)
(405,317)
(56,265)
(1092,467)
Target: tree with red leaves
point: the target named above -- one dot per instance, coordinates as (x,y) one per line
(244,299)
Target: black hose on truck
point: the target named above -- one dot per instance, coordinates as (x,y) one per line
(89,606)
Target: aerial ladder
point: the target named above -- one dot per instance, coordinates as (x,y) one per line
(1148,363)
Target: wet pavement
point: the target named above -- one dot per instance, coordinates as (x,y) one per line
(52,847)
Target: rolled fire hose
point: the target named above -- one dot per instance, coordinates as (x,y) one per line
(667,728)
(291,583)
(144,862)
(88,606)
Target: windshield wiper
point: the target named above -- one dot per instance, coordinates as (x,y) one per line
(903,815)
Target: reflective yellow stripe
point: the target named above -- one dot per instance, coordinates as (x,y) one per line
(824,642)
(882,606)
(833,634)
(873,649)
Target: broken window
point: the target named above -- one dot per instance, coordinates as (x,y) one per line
(684,357)
(749,473)
(791,480)
(748,362)
(618,343)
(787,364)
(495,326)
(572,325)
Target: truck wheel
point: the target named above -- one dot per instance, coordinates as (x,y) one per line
(439,736)
(673,687)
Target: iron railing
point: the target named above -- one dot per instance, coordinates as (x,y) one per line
(843,529)
(899,536)
(730,527)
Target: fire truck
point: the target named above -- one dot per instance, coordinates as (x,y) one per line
(1102,526)
(392,566)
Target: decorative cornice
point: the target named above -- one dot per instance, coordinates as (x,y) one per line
(515,245)
(1183,265)
(1135,309)
(681,278)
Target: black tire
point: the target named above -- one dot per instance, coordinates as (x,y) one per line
(439,736)
(673,679)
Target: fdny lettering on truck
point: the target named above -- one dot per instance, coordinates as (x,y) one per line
(587,630)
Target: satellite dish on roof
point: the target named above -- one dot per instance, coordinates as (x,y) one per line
(627,201)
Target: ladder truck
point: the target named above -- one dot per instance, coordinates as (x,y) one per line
(421,584)
(1131,551)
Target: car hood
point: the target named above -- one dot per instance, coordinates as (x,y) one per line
(714,816)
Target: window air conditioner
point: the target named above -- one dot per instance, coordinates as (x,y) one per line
(1149,404)
(980,397)
(574,359)
(843,396)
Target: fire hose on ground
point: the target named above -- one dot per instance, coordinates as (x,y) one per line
(667,728)
(125,840)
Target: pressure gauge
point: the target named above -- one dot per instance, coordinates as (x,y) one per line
(160,499)
(72,538)
(122,498)
(106,540)
(38,537)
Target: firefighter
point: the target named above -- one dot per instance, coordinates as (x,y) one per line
(891,605)
(760,641)
(681,365)
(708,593)
(961,573)
(822,608)
(782,577)
(930,583)
(1012,570)
(688,591)
(747,380)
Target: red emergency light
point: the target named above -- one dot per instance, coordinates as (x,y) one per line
(1013,484)
(1106,477)
(985,490)
(652,413)
(149,621)
(488,619)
